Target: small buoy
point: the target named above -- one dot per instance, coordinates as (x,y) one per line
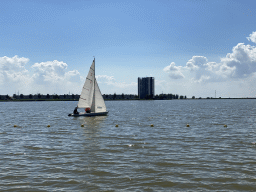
(225,126)
(48,125)
(187,125)
(82,125)
(116,125)
(151,125)
(14,125)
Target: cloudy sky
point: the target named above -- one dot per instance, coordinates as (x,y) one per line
(191,47)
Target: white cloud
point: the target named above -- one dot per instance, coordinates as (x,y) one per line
(73,76)
(196,62)
(197,65)
(104,78)
(13,69)
(54,71)
(51,71)
(252,37)
(203,78)
(13,74)
(48,77)
(239,64)
(242,60)
(111,85)
(174,71)
(124,85)
(54,77)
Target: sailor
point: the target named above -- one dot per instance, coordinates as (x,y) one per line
(75,111)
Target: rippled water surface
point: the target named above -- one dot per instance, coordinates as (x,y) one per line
(206,156)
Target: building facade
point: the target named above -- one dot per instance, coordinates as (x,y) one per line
(146,87)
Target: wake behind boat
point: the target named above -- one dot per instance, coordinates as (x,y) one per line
(91,99)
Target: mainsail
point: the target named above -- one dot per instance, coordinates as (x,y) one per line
(87,94)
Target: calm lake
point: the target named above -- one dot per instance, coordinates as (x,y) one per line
(206,156)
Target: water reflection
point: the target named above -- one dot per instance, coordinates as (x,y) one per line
(91,124)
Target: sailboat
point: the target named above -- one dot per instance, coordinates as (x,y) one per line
(91,99)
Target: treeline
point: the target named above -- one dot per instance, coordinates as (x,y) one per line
(73,97)
(147,97)
(169,96)
(40,97)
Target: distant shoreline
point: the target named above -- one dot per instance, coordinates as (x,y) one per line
(25,100)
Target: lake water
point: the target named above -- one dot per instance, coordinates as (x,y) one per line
(206,156)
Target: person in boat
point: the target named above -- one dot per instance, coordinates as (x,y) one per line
(88,110)
(75,111)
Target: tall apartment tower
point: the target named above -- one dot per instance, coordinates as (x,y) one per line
(146,87)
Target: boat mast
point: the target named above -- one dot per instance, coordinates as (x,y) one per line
(94,85)
(94,78)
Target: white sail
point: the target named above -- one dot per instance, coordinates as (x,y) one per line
(87,94)
(99,101)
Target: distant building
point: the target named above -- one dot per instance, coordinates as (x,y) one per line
(146,87)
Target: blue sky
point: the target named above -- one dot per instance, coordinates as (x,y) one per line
(191,47)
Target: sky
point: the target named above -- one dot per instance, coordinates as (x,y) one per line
(190,47)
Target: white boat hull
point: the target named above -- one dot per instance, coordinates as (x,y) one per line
(89,114)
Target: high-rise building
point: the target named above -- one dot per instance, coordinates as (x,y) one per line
(146,87)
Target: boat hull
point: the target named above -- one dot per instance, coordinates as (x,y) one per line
(89,114)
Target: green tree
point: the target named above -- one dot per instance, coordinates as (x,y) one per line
(55,96)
